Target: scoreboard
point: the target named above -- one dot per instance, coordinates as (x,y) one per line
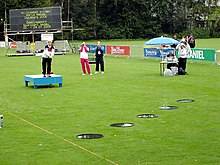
(35,19)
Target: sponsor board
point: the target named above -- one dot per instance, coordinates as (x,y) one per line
(118,50)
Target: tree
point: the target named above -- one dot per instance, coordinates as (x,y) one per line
(129,18)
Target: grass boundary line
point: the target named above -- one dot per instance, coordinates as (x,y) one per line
(64,139)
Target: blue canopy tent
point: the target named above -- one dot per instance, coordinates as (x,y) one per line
(162,41)
(159,41)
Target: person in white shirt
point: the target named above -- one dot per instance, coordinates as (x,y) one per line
(84,59)
(47,58)
(182,56)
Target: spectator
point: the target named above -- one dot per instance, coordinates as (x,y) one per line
(183,38)
(174,45)
(188,50)
(182,58)
(84,59)
(191,41)
(99,58)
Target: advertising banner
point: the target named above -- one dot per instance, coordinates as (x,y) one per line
(157,53)
(13,44)
(203,55)
(118,50)
(92,48)
(196,53)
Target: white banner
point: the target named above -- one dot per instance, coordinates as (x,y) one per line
(46,37)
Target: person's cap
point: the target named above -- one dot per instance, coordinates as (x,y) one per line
(182,44)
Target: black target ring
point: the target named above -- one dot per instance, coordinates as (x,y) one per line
(89,136)
(168,107)
(122,125)
(147,116)
(185,101)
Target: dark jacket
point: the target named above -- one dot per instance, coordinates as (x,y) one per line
(99,52)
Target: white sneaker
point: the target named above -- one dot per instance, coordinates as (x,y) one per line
(90,74)
(102,72)
(96,72)
(83,74)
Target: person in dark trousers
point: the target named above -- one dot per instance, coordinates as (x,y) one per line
(99,58)
(182,58)
(47,58)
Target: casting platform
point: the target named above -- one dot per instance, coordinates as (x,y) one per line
(39,80)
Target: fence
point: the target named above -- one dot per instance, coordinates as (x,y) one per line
(137,51)
(26,47)
(60,46)
(74,48)
(218,56)
(23,47)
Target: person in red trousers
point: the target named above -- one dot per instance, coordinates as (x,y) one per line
(84,59)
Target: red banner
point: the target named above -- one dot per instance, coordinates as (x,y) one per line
(118,50)
(13,45)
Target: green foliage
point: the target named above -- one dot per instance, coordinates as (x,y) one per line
(131,18)
(214,18)
(216,34)
(197,33)
(20,4)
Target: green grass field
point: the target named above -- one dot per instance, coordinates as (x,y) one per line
(40,126)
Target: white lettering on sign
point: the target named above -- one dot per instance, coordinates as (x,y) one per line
(46,37)
(150,53)
(92,48)
(197,54)
(117,50)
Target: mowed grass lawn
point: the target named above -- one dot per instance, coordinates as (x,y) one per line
(40,126)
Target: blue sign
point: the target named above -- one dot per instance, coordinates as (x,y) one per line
(157,53)
(151,52)
(92,48)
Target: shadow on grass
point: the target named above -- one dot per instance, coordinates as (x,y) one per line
(43,86)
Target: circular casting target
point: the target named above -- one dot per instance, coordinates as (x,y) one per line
(168,107)
(186,101)
(147,116)
(89,136)
(122,125)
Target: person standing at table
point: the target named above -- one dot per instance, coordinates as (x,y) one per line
(99,58)
(47,58)
(187,46)
(84,59)
(182,58)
